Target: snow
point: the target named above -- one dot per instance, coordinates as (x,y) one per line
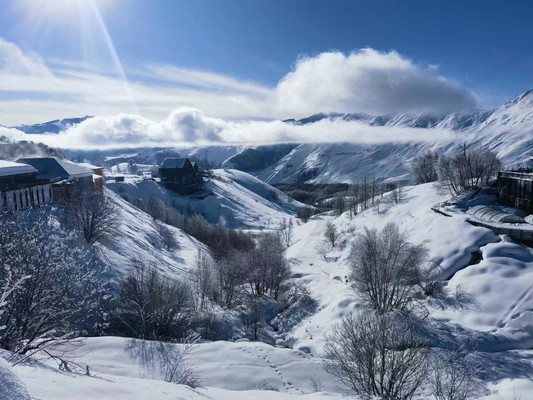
(231,197)
(137,238)
(11,387)
(8,168)
(499,323)
(125,369)
(224,365)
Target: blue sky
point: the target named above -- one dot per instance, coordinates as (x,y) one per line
(230,58)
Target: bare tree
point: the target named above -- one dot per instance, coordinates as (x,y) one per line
(204,279)
(331,234)
(377,355)
(154,307)
(385,268)
(94,212)
(231,276)
(268,268)
(467,170)
(57,283)
(253,316)
(424,168)
(340,205)
(285,232)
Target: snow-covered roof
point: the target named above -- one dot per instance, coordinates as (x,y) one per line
(173,162)
(51,168)
(490,214)
(90,166)
(8,168)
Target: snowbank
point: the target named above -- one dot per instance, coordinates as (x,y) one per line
(11,387)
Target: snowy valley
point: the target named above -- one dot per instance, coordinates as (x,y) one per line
(265,280)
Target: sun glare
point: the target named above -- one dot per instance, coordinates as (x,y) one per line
(63,11)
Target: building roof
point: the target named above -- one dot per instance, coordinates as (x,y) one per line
(52,168)
(174,162)
(90,166)
(490,214)
(8,168)
(522,174)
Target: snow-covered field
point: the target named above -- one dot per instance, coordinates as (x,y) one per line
(498,323)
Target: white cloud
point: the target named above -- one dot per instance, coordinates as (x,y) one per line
(14,61)
(160,104)
(368,81)
(187,126)
(364,81)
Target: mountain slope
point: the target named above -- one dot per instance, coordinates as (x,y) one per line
(233,198)
(506,130)
(137,237)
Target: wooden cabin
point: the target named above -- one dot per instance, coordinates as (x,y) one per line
(515,189)
(180,175)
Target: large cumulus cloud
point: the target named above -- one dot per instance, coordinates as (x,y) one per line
(368,81)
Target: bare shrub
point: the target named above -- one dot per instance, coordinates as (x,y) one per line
(316,384)
(430,280)
(156,208)
(305,213)
(385,268)
(298,293)
(175,365)
(331,234)
(468,170)
(168,240)
(154,307)
(377,355)
(339,205)
(424,168)
(454,376)
(169,359)
(323,248)
(53,285)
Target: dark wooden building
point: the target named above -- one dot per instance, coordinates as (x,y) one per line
(19,188)
(180,175)
(58,173)
(515,189)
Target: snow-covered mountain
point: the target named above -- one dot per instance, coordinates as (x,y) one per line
(55,126)
(505,130)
